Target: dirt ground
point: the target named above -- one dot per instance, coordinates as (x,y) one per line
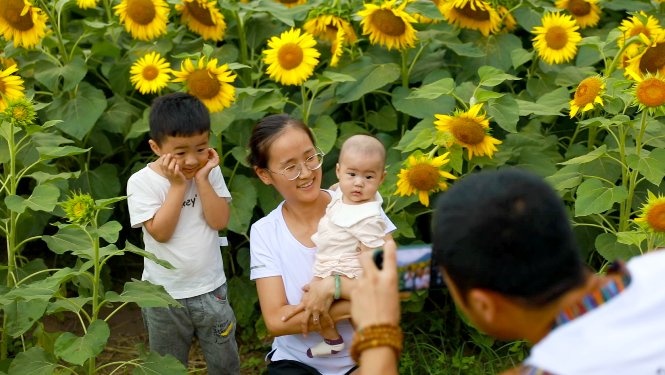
(127,331)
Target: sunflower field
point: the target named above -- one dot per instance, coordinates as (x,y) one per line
(573,90)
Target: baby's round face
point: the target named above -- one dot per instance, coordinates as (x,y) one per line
(360,176)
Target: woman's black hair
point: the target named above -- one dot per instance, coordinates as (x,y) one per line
(266,131)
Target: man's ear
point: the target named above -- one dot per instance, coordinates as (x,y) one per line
(154,147)
(484,304)
(264,175)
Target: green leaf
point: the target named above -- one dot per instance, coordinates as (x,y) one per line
(385,119)
(43,198)
(594,197)
(373,78)
(79,112)
(246,312)
(329,76)
(39,290)
(129,247)
(22,315)
(505,112)
(49,74)
(520,57)
(466,49)
(242,205)
(634,238)
(109,231)
(153,363)
(491,76)
(34,361)
(425,8)
(565,179)
(420,137)
(144,294)
(611,249)
(422,109)
(325,132)
(650,164)
(433,90)
(70,238)
(47,153)
(589,157)
(78,350)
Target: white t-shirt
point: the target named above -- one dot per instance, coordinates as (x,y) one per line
(275,252)
(194,247)
(624,336)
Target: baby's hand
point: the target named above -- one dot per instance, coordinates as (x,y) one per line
(170,169)
(213,161)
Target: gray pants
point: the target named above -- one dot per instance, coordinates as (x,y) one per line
(209,317)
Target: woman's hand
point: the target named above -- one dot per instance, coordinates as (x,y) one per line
(375,299)
(315,303)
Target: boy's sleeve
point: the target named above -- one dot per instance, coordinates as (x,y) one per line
(218,184)
(262,260)
(142,201)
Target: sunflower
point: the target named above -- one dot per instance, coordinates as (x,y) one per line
(291,57)
(86,4)
(508,22)
(585,12)
(7,62)
(203,17)
(150,73)
(388,26)
(423,176)
(144,19)
(469,129)
(291,3)
(20,112)
(325,27)
(472,14)
(651,59)
(333,29)
(587,94)
(652,216)
(11,86)
(556,41)
(648,91)
(22,22)
(79,208)
(643,25)
(208,82)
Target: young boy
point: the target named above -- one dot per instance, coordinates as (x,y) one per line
(181,202)
(353,221)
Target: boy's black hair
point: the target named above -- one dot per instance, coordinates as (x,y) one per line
(506,231)
(178,114)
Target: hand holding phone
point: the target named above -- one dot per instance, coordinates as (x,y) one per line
(414,268)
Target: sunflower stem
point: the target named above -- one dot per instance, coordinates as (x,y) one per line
(615,62)
(242,40)
(633,176)
(405,68)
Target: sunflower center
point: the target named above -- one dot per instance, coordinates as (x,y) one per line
(11,10)
(556,37)
(288,1)
(200,14)
(656,217)
(423,177)
(475,14)
(141,11)
(587,91)
(3,88)
(467,131)
(202,85)
(388,23)
(653,59)
(651,92)
(290,56)
(150,72)
(579,8)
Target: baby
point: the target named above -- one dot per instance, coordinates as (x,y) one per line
(354,222)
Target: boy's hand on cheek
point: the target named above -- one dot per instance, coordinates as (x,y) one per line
(213,161)
(170,169)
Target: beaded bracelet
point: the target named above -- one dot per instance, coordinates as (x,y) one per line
(374,336)
(338,287)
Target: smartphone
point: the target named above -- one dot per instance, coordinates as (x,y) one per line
(414,268)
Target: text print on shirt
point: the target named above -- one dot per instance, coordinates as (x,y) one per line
(190,202)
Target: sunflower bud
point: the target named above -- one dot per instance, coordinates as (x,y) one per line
(20,112)
(79,208)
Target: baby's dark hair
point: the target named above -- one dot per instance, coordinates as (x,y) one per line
(507,231)
(266,131)
(178,114)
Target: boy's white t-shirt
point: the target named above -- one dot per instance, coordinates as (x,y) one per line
(624,336)
(275,252)
(194,247)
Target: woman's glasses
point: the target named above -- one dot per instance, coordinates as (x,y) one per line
(292,171)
